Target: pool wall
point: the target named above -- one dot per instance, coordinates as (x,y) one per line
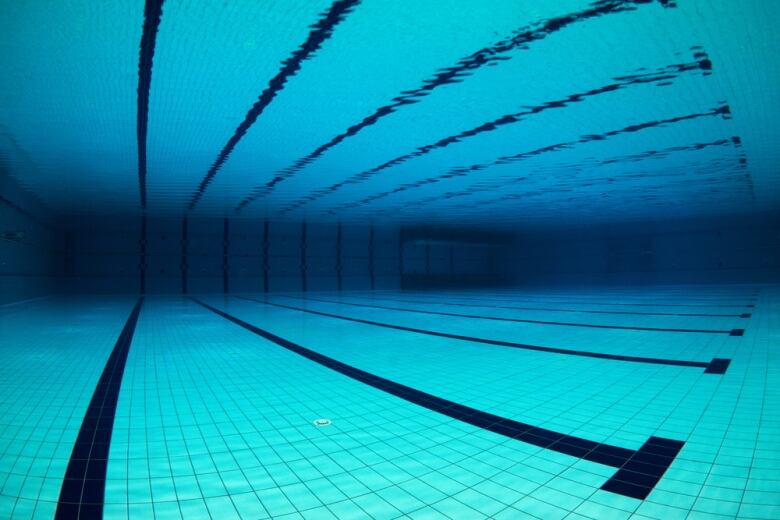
(727,249)
(215,255)
(30,265)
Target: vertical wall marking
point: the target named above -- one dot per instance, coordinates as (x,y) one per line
(184,244)
(303,257)
(265,256)
(371,255)
(452,263)
(401,257)
(225,251)
(142,256)
(338,256)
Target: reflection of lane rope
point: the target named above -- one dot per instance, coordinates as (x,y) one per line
(320,31)
(521,38)
(667,74)
(721,110)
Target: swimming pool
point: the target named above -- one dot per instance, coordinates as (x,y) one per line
(449,404)
(389,259)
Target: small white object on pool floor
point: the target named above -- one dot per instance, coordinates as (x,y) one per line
(319,423)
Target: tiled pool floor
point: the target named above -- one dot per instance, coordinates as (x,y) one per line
(548,404)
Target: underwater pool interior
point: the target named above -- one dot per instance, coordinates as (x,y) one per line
(390,259)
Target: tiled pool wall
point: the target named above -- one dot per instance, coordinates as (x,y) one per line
(212,255)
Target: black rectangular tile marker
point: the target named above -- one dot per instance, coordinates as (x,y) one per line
(639,475)
(84,485)
(521,320)
(499,343)
(717,366)
(615,456)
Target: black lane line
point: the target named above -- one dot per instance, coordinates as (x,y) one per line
(320,31)
(152,16)
(84,486)
(639,470)
(464,67)
(642,299)
(614,304)
(712,367)
(521,320)
(584,311)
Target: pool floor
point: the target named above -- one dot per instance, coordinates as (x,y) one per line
(625,402)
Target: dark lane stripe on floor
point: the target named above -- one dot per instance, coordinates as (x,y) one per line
(730,332)
(639,470)
(650,298)
(584,311)
(616,304)
(716,366)
(84,486)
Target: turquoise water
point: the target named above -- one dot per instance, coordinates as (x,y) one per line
(169,169)
(213,420)
(599,68)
